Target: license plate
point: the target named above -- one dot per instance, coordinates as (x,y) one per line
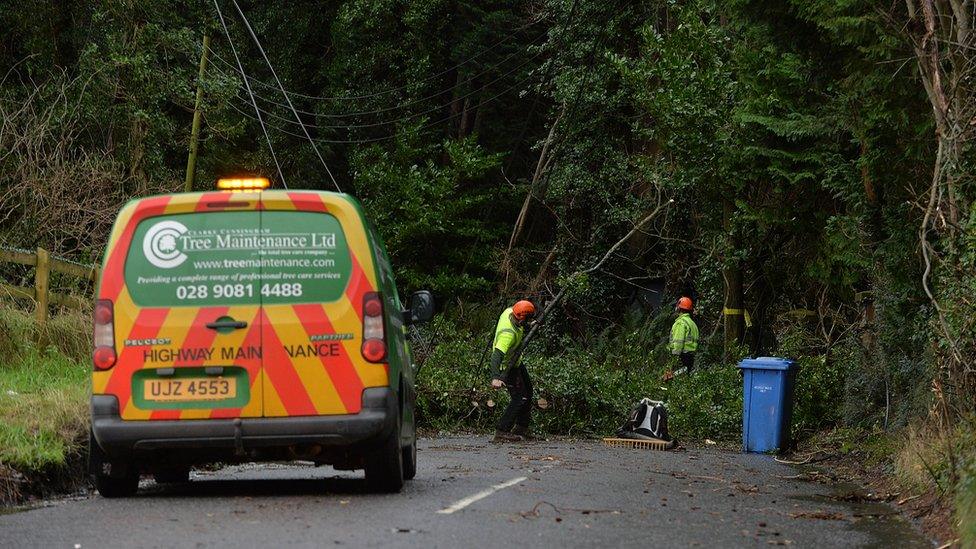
(190,389)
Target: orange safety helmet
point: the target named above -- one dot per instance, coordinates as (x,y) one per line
(523,309)
(685,304)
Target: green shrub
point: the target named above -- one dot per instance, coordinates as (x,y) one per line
(707,404)
(590,385)
(452,384)
(819,392)
(587,396)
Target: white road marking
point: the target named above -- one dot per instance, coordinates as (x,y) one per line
(461,504)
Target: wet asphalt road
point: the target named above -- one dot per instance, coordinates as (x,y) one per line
(469,493)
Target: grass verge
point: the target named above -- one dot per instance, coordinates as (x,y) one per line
(966,503)
(43,405)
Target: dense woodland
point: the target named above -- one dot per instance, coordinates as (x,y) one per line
(803,168)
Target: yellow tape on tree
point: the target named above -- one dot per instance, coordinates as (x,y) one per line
(734,312)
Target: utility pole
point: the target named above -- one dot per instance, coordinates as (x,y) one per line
(191,160)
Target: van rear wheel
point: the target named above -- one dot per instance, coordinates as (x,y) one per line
(384,465)
(410,460)
(100,467)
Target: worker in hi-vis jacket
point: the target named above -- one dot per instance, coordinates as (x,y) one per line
(684,338)
(508,371)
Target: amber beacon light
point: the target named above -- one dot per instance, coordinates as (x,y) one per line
(249,184)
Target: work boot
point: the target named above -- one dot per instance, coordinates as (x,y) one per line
(505,436)
(523,431)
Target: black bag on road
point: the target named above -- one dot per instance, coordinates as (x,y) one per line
(648,420)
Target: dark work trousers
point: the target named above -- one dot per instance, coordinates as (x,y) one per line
(687,361)
(520,407)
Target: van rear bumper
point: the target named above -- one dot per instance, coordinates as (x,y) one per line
(122,438)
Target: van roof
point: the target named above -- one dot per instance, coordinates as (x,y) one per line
(215,195)
(343,206)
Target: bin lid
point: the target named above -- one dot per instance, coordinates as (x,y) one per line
(766,363)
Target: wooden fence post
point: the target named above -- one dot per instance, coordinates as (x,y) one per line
(42,276)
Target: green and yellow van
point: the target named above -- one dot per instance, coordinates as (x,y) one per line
(250,326)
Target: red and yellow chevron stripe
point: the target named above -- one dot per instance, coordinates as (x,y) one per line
(280,384)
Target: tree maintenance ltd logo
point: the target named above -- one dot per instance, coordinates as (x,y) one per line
(160,244)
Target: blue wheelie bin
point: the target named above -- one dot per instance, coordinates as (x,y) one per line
(767,403)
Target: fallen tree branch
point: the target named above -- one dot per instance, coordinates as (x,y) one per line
(541,167)
(536,510)
(562,293)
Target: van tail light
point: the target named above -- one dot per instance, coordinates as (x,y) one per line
(374,339)
(104,335)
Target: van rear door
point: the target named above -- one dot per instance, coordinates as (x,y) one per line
(318,269)
(187,318)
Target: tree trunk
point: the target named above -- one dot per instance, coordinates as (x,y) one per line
(944,49)
(540,169)
(464,127)
(734,313)
(457,104)
(875,231)
(137,151)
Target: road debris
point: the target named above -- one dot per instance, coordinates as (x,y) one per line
(808,458)
(535,512)
(818,515)
(821,477)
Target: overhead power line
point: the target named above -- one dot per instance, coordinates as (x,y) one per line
(389,90)
(257,43)
(305,134)
(254,103)
(409,116)
(412,101)
(393,135)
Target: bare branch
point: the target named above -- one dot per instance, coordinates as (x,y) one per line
(562,292)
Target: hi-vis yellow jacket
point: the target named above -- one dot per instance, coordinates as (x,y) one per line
(684,335)
(508,338)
